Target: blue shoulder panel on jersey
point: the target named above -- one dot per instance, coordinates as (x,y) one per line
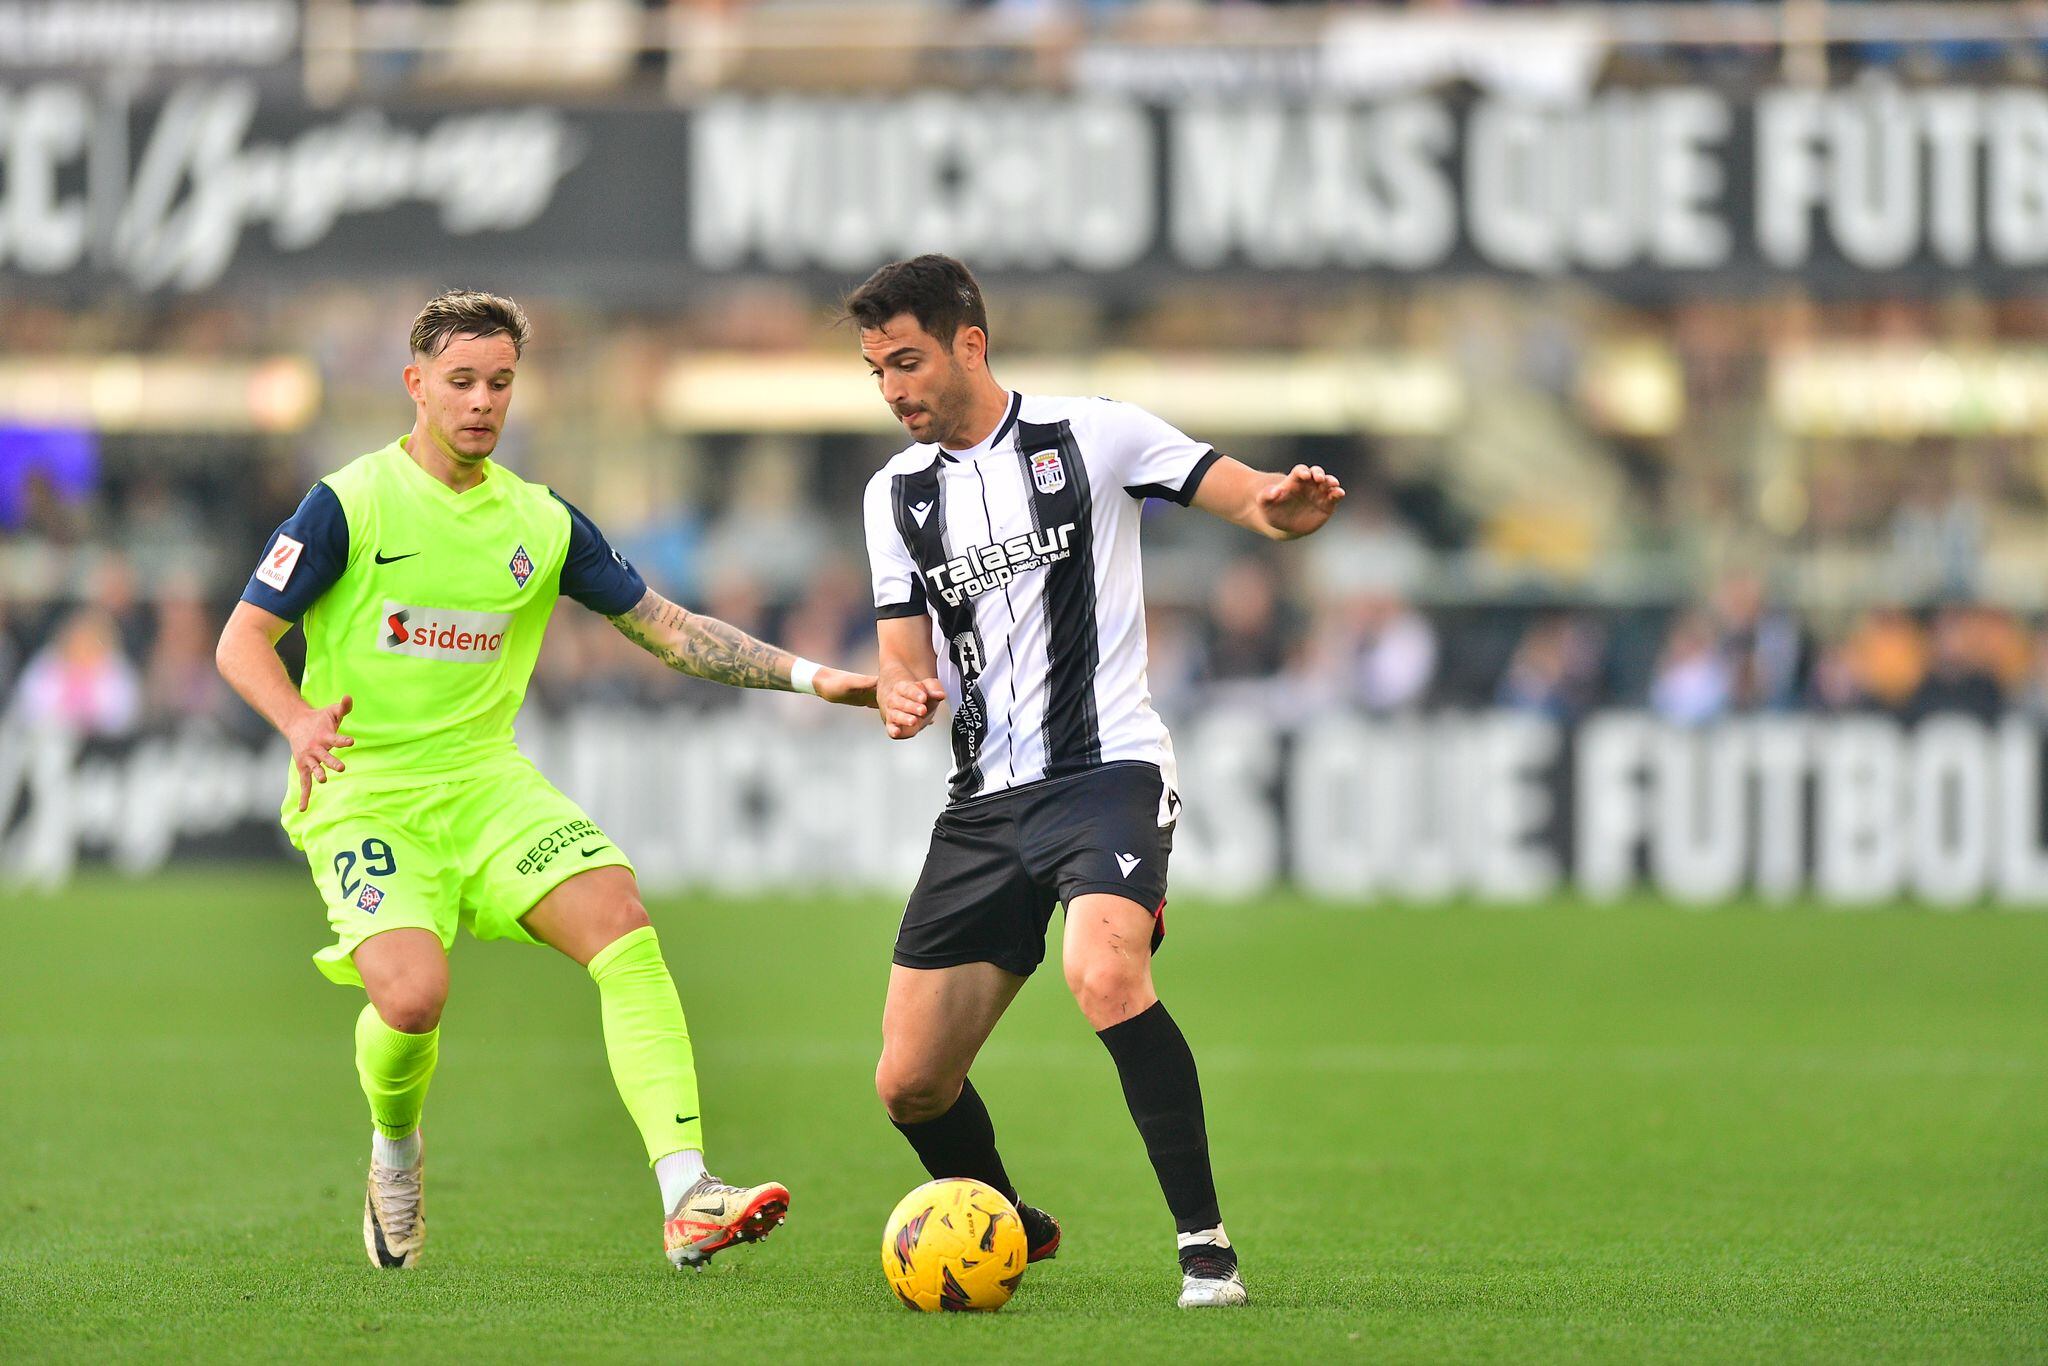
(593,573)
(320,530)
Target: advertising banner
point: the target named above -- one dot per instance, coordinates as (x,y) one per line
(1873,183)
(1494,806)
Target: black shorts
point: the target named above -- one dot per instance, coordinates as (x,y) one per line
(998,864)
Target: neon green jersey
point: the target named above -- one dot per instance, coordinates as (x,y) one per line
(427,607)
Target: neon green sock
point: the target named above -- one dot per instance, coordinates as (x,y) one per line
(648,1042)
(395,1068)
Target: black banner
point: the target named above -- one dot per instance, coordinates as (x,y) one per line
(1870,185)
(1500,806)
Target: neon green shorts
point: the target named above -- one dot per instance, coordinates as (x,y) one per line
(481,852)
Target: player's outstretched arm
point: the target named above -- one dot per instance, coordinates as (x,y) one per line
(909,694)
(706,647)
(247,658)
(1279,507)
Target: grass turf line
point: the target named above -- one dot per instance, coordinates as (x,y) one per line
(1623,1133)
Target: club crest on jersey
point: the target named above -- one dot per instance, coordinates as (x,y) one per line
(370,899)
(1047,472)
(521,566)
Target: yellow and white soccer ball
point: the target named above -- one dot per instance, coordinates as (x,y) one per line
(954,1245)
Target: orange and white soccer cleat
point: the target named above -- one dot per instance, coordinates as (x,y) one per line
(712,1216)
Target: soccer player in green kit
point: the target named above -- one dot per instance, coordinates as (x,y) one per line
(424,575)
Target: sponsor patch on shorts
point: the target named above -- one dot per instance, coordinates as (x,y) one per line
(556,842)
(370,898)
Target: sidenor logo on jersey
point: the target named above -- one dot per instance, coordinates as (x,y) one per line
(441,632)
(988,567)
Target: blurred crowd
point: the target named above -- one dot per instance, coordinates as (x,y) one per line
(1559,542)
(799,7)
(692,44)
(1284,631)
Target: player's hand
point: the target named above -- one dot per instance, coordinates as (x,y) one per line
(848,690)
(1302,500)
(908,706)
(315,736)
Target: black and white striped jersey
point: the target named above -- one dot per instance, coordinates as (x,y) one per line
(1023,552)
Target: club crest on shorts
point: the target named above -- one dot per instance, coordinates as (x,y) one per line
(370,898)
(1047,472)
(521,566)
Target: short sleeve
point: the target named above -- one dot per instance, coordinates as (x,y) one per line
(593,573)
(899,588)
(305,557)
(1154,459)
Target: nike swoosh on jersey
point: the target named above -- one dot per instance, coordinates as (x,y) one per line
(382,558)
(921,511)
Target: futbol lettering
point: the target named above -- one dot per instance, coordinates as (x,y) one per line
(988,567)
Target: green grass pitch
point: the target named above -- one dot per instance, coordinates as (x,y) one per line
(1625,1133)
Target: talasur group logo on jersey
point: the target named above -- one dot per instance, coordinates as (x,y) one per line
(988,567)
(1047,472)
(522,567)
(441,632)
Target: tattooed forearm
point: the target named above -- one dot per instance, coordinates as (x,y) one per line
(704,646)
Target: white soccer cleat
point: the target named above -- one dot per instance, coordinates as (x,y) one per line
(1207,1292)
(711,1216)
(395,1215)
(1208,1276)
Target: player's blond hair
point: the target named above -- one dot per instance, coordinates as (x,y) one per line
(468,313)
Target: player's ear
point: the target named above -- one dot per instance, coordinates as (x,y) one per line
(413,378)
(972,346)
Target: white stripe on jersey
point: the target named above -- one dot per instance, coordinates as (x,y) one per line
(1023,552)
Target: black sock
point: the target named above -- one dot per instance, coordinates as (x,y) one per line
(1165,1096)
(961,1142)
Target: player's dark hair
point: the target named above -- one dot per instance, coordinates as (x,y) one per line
(468,313)
(936,290)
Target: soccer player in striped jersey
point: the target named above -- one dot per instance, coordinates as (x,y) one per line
(424,574)
(1004,549)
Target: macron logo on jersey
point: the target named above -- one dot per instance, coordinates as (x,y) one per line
(441,632)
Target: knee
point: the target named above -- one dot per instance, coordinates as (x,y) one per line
(1109,988)
(912,1095)
(413,1007)
(604,925)
(406,973)
(623,917)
